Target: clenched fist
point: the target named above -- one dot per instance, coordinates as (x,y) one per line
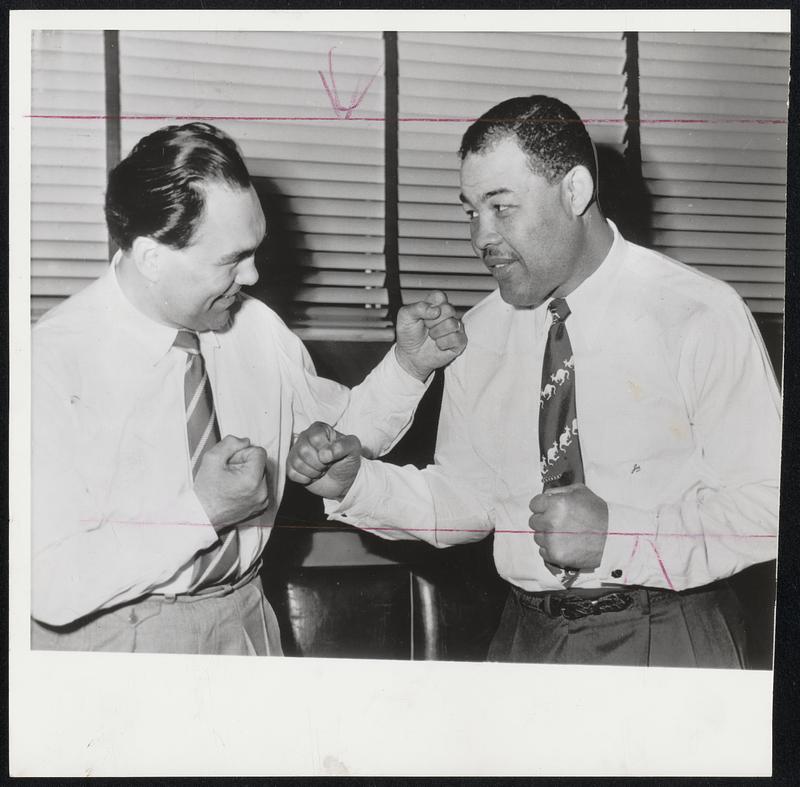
(429,335)
(571,524)
(324,461)
(231,481)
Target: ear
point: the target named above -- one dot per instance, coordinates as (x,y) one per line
(147,256)
(578,189)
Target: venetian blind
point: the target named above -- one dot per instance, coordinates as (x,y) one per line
(446,80)
(713,135)
(69,246)
(320,173)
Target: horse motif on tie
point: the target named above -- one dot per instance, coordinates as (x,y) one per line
(560,377)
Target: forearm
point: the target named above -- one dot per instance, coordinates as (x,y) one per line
(406,503)
(105,559)
(380,410)
(706,536)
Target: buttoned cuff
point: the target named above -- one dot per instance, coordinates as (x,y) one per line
(626,527)
(355,505)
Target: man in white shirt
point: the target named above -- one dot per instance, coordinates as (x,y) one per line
(164,405)
(614,422)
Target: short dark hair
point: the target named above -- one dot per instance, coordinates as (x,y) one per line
(158,190)
(549,131)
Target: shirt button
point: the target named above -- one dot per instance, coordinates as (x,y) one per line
(132,616)
(616,573)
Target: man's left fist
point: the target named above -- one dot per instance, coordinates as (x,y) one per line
(571,524)
(429,335)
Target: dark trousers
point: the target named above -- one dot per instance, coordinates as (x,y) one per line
(703,627)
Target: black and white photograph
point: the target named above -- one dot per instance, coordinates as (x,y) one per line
(400,347)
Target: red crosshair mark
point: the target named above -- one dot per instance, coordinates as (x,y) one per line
(342,110)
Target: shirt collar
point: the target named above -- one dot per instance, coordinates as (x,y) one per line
(154,338)
(589,301)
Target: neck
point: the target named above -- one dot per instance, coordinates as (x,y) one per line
(595,240)
(599,237)
(137,289)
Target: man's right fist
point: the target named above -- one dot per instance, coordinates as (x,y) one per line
(324,461)
(231,482)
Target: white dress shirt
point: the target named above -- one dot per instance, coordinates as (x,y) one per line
(679,422)
(115,516)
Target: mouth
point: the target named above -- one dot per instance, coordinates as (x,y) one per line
(226,301)
(498,265)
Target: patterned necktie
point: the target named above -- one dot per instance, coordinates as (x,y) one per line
(219,562)
(561,462)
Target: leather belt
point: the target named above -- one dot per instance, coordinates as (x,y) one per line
(572,606)
(215,590)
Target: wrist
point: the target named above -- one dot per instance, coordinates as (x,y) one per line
(407,365)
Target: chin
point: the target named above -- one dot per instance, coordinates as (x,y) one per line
(522,300)
(224,321)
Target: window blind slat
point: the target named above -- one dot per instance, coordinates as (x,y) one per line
(691,86)
(68,250)
(665,170)
(731,137)
(724,72)
(718,207)
(712,256)
(736,224)
(718,240)
(727,191)
(728,41)
(658,48)
(342,261)
(68,231)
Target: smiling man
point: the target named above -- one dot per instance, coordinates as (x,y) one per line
(164,405)
(614,422)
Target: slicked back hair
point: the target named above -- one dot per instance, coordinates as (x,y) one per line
(158,190)
(549,131)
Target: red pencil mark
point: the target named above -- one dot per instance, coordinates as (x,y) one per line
(347,110)
(633,553)
(344,110)
(324,526)
(661,566)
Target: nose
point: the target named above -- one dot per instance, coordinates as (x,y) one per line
(246,273)
(484,234)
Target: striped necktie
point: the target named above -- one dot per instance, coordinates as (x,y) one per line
(559,442)
(219,562)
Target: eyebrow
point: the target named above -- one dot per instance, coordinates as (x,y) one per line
(236,256)
(488,194)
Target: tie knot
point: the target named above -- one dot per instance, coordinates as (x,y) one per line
(188,341)
(559,309)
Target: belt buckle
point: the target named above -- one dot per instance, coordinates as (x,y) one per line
(574,608)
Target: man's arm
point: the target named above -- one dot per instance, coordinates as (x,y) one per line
(92,551)
(728,519)
(380,409)
(449,502)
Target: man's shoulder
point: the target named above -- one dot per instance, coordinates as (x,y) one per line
(663,282)
(254,315)
(83,314)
